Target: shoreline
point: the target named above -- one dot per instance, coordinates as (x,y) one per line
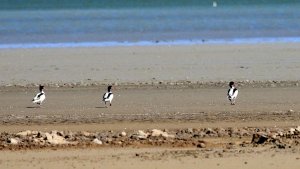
(233,41)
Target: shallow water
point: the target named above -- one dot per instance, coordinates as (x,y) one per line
(138,24)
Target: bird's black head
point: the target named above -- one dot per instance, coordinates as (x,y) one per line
(41,87)
(109,88)
(231,84)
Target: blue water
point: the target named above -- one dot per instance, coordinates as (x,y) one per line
(183,24)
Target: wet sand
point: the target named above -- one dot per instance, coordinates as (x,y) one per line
(146,105)
(203,63)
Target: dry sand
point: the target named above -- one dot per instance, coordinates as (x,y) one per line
(154,158)
(77,106)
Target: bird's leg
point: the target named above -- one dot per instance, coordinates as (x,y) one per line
(109,104)
(233,102)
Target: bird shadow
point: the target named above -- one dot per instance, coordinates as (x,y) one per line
(32,107)
(102,107)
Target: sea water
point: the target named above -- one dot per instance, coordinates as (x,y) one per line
(89,23)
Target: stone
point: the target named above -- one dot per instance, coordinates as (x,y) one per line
(123,133)
(280,133)
(292,131)
(157,133)
(142,135)
(201,145)
(24,133)
(209,131)
(298,128)
(53,138)
(166,135)
(97,141)
(190,131)
(85,133)
(274,135)
(259,138)
(41,135)
(60,133)
(40,141)
(13,141)
(108,140)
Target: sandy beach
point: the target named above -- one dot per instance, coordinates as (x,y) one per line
(178,90)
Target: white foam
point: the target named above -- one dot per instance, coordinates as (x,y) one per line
(151,43)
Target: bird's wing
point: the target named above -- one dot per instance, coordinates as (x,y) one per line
(104,96)
(39,95)
(235,93)
(230,92)
(109,95)
(36,96)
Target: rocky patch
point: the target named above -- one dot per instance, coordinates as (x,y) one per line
(204,138)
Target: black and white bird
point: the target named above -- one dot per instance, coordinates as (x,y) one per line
(108,96)
(40,97)
(232,93)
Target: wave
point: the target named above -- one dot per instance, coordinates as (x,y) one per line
(151,43)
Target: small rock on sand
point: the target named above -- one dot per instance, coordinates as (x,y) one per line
(157,133)
(24,133)
(259,138)
(142,135)
(201,145)
(298,128)
(123,133)
(85,133)
(13,141)
(97,141)
(53,138)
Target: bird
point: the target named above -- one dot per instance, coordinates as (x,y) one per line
(40,97)
(232,93)
(108,96)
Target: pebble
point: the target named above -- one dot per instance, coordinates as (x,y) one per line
(13,141)
(201,145)
(85,133)
(142,135)
(259,138)
(123,133)
(292,131)
(53,138)
(298,128)
(24,133)
(158,133)
(190,130)
(97,141)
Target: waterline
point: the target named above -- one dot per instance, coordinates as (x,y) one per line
(151,43)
